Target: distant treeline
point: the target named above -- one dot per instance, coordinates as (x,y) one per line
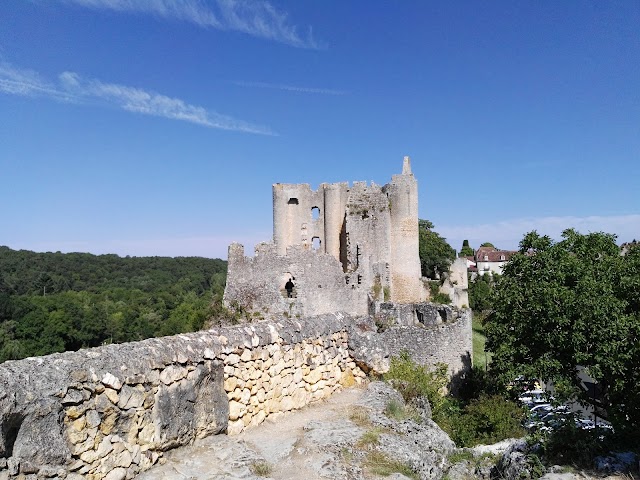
(53,302)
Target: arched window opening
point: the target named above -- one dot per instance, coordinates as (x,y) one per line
(315,243)
(293,201)
(315,213)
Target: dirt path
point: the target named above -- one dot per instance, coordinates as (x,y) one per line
(294,445)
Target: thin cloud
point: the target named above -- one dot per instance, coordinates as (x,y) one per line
(291,88)
(71,87)
(507,234)
(27,83)
(256,18)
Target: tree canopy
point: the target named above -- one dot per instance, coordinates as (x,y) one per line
(52,302)
(466,250)
(435,253)
(565,306)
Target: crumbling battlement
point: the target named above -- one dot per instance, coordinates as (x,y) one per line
(337,248)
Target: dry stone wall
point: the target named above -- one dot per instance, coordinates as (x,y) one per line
(111,412)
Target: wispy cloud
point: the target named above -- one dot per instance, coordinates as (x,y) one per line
(255,18)
(507,234)
(291,88)
(16,81)
(71,87)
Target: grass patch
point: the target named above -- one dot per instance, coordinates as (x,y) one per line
(369,438)
(397,411)
(480,356)
(460,456)
(380,464)
(360,417)
(261,469)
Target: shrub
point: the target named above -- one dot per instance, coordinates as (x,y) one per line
(487,420)
(413,381)
(571,445)
(435,296)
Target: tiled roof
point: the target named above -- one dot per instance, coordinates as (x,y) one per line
(493,255)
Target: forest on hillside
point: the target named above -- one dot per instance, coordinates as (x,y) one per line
(53,302)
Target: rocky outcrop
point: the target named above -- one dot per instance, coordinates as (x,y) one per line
(416,442)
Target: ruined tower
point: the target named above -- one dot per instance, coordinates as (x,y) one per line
(405,261)
(337,248)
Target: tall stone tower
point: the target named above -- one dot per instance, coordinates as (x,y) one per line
(406,286)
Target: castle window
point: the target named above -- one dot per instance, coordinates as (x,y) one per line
(359,279)
(293,201)
(315,213)
(315,243)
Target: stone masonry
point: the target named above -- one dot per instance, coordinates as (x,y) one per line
(111,412)
(338,248)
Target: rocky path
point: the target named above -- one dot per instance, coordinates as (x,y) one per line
(295,445)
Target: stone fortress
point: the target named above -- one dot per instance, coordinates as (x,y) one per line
(341,294)
(338,248)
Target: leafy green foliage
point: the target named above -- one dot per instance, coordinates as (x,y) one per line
(568,305)
(486,420)
(413,381)
(488,244)
(435,253)
(479,417)
(480,291)
(53,302)
(436,296)
(466,250)
(570,445)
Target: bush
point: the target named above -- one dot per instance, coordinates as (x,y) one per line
(571,445)
(484,419)
(488,420)
(413,381)
(435,296)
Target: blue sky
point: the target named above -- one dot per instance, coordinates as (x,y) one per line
(157,127)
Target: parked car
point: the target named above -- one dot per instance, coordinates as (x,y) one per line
(531,398)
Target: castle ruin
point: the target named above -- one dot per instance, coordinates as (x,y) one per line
(338,248)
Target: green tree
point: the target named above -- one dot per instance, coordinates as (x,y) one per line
(573,304)
(480,290)
(466,250)
(435,253)
(488,244)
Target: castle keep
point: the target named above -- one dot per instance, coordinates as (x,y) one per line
(338,248)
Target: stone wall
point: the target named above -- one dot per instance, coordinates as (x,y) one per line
(448,340)
(111,412)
